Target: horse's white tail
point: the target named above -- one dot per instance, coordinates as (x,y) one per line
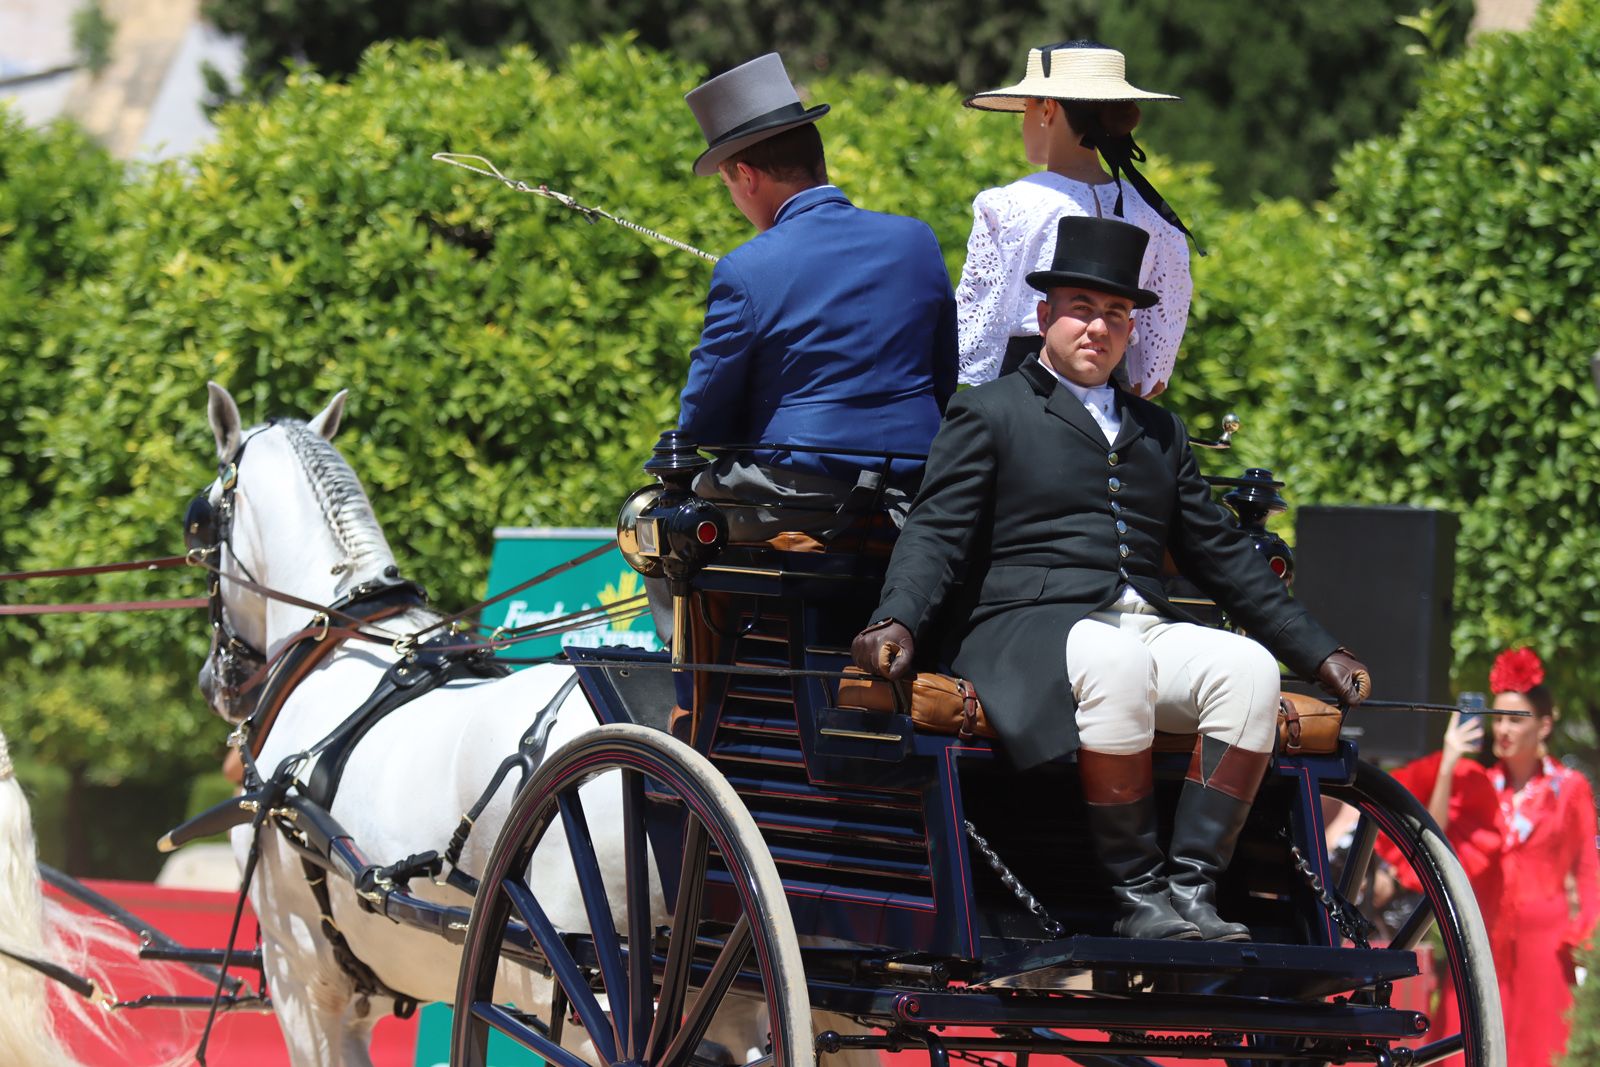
(34,926)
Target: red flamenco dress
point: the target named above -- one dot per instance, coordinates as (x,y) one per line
(1478,834)
(1549,855)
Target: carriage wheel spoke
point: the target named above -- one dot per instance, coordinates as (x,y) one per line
(1359,859)
(641,933)
(513,1025)
(1415,928)
(597,904)
(680,949)
(729,961)
(565,969)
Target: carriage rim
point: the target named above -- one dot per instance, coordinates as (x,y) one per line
(718,818)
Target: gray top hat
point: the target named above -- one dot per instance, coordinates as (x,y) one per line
(749,103)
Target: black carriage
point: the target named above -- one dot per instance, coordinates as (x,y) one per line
(835,859)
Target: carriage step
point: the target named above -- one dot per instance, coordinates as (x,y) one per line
(1248,968)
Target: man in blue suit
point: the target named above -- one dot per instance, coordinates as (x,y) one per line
(832,327)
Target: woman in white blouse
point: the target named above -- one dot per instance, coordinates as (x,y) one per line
(1078,110)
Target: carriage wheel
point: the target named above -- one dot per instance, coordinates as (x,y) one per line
(658,1003)
(1447,903)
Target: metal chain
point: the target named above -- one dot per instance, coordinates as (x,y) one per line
(1018,890)
(1351,923)
(489,170)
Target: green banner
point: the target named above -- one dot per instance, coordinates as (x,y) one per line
(521,552)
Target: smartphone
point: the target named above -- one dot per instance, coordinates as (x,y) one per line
(1471,707)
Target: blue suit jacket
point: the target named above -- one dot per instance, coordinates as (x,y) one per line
(836,327)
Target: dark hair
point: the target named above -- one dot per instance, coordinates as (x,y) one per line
(1544,705)
(791,156)
(1093,120)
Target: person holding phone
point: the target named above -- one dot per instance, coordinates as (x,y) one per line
(1552,872)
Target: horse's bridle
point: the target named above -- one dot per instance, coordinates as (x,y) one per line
(251,685)
(207,528)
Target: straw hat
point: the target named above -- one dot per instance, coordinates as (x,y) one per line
(749,103)
(1076,70)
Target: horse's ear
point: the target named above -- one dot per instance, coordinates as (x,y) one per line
(225,423)
(326,424)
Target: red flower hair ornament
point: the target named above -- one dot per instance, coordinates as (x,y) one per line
(1516,670)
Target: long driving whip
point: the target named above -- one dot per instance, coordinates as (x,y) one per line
(480,165)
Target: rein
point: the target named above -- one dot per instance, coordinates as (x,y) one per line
(86,607)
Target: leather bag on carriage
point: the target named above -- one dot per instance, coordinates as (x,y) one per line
(937,703)
(941,704)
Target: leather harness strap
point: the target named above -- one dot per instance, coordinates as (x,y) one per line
(404,681)
(159,563)
(85,607)
(305,651)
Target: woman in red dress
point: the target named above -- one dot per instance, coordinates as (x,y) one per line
(1551,895)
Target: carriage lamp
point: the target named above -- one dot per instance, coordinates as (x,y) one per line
(1254,499)
(665,531)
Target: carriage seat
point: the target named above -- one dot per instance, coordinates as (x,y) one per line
(940,704)
(870,535)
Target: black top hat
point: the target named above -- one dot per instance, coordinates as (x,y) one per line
(749,103)
(1100,254)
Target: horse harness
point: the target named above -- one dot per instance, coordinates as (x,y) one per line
(261,684)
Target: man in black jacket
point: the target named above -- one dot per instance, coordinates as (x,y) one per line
(1060,494)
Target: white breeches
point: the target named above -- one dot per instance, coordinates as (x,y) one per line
(1134,672)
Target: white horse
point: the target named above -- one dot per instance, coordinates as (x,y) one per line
(36,927)
(302,525)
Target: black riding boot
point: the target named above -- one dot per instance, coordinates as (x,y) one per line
(1216,800)
(1122,819)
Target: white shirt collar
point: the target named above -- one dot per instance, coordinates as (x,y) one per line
(1099,396)
(802,192)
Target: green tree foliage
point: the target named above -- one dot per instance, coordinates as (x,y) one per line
(931,41)
(1438,345)
(1273,93)
(55,190)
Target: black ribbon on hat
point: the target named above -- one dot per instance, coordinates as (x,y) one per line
(1120,153)
(786,113)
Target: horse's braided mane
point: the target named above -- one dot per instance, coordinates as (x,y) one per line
(344,503)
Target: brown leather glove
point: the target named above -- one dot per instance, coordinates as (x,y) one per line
(885,648)
(1344,677)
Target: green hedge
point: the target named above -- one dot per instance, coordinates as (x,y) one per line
(1439,349)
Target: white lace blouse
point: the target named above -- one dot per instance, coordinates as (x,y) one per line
(1014,232)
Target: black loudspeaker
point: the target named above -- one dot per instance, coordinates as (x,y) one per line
(1380,578)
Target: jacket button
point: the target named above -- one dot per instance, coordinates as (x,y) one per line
(1122,527)
(1122,550)
(1116,508)
(1112,459)
(1115,485)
